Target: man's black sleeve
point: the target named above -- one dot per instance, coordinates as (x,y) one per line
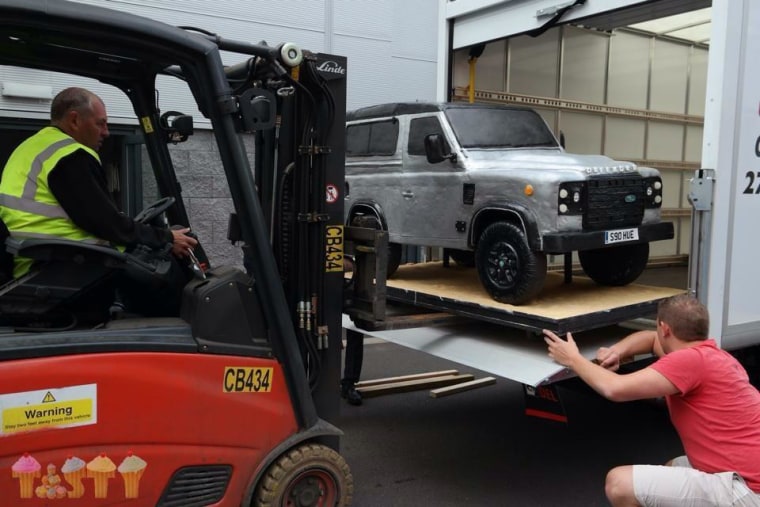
(79,184)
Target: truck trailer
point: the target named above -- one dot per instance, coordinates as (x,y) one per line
(723,193)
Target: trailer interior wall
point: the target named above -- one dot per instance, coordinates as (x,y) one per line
(629,95)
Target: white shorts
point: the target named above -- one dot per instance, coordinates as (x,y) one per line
(680,484)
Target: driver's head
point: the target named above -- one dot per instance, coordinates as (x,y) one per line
(82,115)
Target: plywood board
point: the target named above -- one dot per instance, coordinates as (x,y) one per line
(556,301)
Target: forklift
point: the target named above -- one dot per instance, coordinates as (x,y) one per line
(227,404)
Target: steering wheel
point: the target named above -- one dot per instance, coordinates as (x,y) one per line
(154,210)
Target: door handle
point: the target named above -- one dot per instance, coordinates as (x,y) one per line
(408,194)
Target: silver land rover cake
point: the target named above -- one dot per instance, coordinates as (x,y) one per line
(493,186)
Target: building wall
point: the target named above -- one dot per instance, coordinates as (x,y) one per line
(391,46)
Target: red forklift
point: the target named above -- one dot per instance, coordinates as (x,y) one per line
(227,404)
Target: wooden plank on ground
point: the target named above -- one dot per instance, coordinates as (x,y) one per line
(404,378)
(460,388)
(413,385)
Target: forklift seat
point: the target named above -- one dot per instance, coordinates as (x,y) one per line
(69,280)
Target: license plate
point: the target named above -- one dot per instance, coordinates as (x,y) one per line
(621,235)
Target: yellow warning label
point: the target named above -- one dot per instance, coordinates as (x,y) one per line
(247,380)
(48,397)
(34,417)
(147,124)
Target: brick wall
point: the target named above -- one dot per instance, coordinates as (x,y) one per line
(205,192)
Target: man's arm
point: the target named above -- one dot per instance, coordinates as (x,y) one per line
(640,342)
(78,184)
(646,383)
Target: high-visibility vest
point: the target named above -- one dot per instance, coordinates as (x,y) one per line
(27,206)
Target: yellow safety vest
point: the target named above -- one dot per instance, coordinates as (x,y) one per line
(27,206)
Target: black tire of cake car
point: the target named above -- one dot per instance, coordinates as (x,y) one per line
(464,258)
(615,266)
(508,269)
(394,249)
(394,258)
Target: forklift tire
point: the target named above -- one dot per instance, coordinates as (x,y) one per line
(310,475)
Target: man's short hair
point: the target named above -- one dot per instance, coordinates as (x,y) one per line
(71,99)
(686,316)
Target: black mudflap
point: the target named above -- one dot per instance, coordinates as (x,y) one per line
(544,402)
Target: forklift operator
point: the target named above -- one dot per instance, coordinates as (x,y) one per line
(713,406)
(54,186)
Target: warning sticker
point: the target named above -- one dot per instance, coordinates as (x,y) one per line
(48,408)
(147,124)
(332,193)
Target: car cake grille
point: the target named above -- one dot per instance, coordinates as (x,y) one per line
(614,202)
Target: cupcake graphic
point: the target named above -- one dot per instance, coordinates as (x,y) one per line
(131,469)
(26,469)
(101,469)
(73,471)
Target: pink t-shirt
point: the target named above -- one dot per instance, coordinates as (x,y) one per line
(717,413)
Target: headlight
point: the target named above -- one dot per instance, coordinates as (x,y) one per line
(572,198)
(653,192)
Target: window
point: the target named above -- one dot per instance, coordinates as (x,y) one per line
(419,128)
(372,139)
(484,127)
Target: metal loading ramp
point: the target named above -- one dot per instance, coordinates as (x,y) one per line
(491,348)
(501,339)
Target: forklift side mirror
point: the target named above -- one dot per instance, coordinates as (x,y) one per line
(177,126)
(258,109)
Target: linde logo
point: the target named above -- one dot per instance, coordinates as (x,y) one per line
(331,67)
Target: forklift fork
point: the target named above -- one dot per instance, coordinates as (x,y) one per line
(364,293)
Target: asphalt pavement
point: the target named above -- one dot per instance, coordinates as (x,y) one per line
(478,448)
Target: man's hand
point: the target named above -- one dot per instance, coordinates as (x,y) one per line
(563,352)
(608,358)
(182,244)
